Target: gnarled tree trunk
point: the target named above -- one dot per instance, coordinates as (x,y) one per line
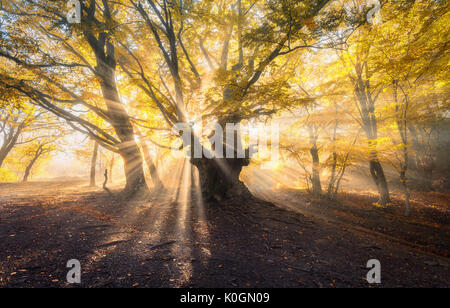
(220,177)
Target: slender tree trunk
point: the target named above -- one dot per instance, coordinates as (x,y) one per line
(28,170)
(338,183)
(94,166)
(335,156)
(402,125)
(366,106)
(316,182)
(30,165)
(333,177)
(377,172)
(314,151)
(406,192)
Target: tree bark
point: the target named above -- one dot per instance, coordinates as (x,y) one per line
(129,150)
(316,183)
(402,125)
(28,169)
(104,50)
(3,155)
(134,172)
(332,177)
(377,172)
(220,177)
(94,166)
(30,165)
(314,151)
(9,142)
(406,192)
(366,106)
(335,155)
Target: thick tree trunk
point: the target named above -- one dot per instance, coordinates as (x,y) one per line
(219,178)
(129,150)
(94,166)
(379,178)
(134,172)
(316,183)
(104,50)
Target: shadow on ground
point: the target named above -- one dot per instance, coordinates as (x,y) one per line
(175,240)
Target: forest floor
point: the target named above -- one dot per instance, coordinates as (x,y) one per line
(174,240)
(427,228)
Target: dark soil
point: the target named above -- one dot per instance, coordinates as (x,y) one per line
(175,241)
(427,228)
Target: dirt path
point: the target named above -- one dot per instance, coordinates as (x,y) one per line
(174,240)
